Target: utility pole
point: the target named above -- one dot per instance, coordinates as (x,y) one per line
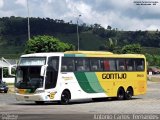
(29,36)
(78,31)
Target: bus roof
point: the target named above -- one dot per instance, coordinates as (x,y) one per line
(84,54)
(43,54)
(100,54)
(88,52)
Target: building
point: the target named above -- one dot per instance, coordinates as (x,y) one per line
(6,64)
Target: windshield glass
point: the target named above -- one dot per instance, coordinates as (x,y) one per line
(28,77)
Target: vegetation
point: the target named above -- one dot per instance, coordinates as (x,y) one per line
(132,48)
(13,38)
(46,44)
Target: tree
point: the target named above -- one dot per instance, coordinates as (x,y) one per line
(47,44)
(132,48)
(109,27)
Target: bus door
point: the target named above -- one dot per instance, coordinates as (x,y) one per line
(52,72)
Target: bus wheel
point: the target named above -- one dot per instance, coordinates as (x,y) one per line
(65,97)
(129,93)
(120,94)
(39,102)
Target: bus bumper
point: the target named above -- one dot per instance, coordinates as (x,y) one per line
(33,97)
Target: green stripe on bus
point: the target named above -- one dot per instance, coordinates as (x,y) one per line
(79,55)
(69,55)
(83,82)
(74,55)
(93,81)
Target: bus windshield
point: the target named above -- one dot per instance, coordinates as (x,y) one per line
(28,77)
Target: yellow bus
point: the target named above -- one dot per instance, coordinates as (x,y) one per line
(75,75)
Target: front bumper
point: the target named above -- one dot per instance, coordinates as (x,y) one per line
(3,89)
(36,97)
(30,97)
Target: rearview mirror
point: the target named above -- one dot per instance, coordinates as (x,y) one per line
(43,68)
(12,70)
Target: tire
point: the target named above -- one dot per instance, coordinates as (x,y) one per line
(129,93)
(120,94)
(65,97)
(5,91)
(39,102)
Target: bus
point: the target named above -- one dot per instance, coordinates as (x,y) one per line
(72,75)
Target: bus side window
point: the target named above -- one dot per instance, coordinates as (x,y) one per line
(130,64)
(95,64)
(106,65)
(121,65)
(82,64)
(109,65)
(67,64)
(139,64)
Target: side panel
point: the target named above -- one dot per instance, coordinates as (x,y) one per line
(80,86)
(111,81)
(101,84)
(89,82)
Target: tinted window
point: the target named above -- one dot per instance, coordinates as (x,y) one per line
(82,64)
(96,64)
(121,65)
(52,72)
(130,64)
(67,65)
(139,64)
(109,65)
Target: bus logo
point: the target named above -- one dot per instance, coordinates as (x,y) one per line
(114,76)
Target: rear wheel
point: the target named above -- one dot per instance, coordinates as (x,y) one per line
(120,94)
(129,93)
(65,97)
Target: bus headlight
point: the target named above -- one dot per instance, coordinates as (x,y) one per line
(16,90)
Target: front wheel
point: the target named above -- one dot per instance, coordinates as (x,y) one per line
(5,91)
(65,97)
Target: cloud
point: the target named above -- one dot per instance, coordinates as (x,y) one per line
(153,27)
(21,2)
(1,3)
(122,15)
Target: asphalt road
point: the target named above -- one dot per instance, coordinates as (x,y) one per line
(144,104)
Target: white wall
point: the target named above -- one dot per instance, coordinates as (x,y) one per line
(9,80)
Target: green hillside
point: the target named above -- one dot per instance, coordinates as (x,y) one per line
(13,35)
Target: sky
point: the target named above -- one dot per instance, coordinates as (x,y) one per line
(127,15)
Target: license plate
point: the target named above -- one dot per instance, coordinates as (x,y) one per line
(26,97)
